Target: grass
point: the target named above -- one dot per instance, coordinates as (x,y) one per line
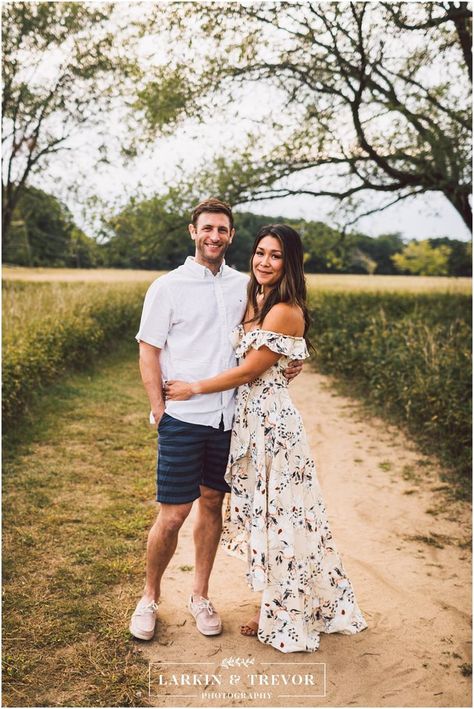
(29,307)
(434,540)
(50,328)
(316,281)
(412,284)
(81,275)
(409,356)
(77,504)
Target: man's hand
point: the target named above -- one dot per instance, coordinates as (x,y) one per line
(157,413)
(294,368)
(178,391)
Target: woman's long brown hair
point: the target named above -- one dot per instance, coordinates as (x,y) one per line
(292,286)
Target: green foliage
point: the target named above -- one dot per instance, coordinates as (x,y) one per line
(153,234)
(43,233)
(148,234)
(460,256)
(50,328)
(63,65)
(422,259)
(407,353)
(164,100)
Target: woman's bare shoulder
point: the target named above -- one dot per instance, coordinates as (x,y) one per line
(285,318)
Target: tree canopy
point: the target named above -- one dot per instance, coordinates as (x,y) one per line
(421,259)
(368,98)
(63,64)
(44,234)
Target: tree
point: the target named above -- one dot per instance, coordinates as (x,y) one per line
(362,263)
(421,259)
(151,234)
(83,251)
(42,226)
(380,249)
(460,257)
(63,64)
(369,98)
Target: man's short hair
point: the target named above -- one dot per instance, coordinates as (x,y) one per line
(215,206)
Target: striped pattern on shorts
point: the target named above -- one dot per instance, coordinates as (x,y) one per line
(190,455)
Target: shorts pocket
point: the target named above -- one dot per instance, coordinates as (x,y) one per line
(163,420)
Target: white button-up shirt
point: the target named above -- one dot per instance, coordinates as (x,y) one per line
(189,314)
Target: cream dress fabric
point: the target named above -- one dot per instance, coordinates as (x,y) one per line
(276,518)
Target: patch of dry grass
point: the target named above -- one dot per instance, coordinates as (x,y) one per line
(316,281)
(99,275)
(77,504)
(362,282)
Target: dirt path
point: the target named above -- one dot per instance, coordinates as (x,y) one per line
(405,550)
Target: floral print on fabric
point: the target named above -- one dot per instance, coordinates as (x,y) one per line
(276,519)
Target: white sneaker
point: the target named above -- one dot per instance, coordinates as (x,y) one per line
(142,624)
(207,618)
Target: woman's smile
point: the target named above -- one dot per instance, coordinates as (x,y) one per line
(268,262)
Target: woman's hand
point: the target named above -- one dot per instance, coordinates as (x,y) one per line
(176,390)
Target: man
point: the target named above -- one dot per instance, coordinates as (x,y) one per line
(187,318)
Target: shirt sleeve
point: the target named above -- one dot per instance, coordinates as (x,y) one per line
(157,315)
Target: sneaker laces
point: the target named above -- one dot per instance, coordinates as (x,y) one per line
(150,607)
(205,605)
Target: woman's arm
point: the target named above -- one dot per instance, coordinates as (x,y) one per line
(282,318)
(255,363)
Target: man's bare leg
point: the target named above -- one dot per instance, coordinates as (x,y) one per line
(207,532)
(161,545)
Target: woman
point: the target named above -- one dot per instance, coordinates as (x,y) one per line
(276,518)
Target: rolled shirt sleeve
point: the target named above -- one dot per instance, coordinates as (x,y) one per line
(157,314)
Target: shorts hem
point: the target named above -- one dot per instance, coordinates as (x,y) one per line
(177,502)
(213,487)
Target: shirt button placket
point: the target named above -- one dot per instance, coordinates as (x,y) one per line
(223,330)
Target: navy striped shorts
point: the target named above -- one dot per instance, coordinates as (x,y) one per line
(189,455)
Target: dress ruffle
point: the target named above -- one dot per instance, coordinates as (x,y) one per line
(292,347)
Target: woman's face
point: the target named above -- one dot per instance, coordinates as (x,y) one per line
(267,263)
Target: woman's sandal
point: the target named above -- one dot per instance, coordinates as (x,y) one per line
(250,628)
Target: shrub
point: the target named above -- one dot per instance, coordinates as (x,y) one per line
(50,328)
(407,353)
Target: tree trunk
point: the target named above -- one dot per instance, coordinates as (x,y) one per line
(460,202)
(7,216)
(10,198)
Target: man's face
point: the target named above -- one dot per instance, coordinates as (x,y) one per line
(212,236)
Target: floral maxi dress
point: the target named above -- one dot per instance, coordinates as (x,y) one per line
(276,518)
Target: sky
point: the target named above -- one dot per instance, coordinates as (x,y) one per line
(76,178)
(430,215)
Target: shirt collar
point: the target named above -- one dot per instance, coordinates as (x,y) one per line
(202,271)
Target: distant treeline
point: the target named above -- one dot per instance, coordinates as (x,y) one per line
(153,235)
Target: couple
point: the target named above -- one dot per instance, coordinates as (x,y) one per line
(196,320)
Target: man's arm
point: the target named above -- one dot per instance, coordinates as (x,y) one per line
(150,371)
(294,368)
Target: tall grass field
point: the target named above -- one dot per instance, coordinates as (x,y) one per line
(404,343)
(410,355)
(50,328)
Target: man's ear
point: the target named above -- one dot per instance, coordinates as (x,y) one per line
(192,231)
(232,234)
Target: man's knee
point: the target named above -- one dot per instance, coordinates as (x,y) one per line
(171,517)
(211,500)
